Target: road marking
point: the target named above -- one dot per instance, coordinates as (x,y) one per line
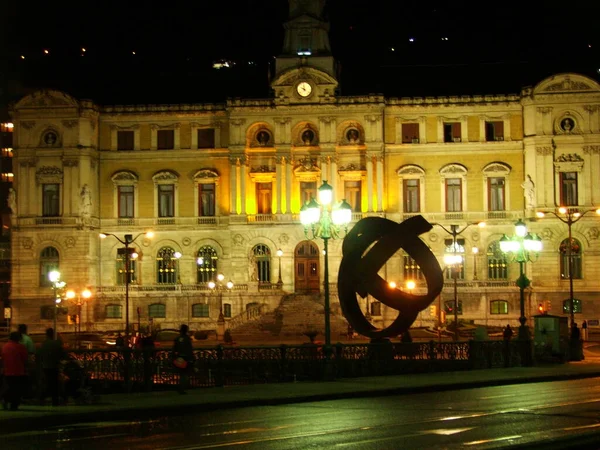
(487,441)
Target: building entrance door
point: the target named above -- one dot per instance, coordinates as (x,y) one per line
(306,263)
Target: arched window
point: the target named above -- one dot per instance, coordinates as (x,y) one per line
(157,311)
(114,311)
(48,262)
(498,307)
(206,264)
(122,265)
(575,259)
(167,266)
(200,310)
(262,255)
(459,250)
(496,262)
(412,271)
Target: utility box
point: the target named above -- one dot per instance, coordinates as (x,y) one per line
(550,330)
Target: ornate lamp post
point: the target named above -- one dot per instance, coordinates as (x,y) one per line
(127,240)
(279,255)
(569,216)
(325,221)
(86,294)
(54,278)
(219,287)
(454,260)
(521,248)
(475,251)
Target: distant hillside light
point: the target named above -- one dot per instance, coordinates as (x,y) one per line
(46,52)
(22,56)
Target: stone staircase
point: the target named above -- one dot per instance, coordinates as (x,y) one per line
(295,315)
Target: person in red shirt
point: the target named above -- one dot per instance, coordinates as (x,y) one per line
(14,358)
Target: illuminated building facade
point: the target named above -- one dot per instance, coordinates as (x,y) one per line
(221,185)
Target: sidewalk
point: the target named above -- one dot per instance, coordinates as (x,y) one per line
(146,405)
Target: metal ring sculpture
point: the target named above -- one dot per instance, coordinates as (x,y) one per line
(366,248)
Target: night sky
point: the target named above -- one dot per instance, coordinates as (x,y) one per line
(457,48)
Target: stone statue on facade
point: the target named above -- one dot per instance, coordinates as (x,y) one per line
(529,192)
(253,268)
(12,201)
(85,201)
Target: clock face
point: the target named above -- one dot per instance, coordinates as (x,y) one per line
(304,89)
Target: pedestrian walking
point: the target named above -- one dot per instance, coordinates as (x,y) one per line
(49,357)
(183,357)
(575,333)
(26,340)
(584,330)
(30,346)
(14,356)
(508,332)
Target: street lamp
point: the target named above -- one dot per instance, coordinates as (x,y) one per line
(219,286)
(522,247)
(86,294)
(54,278)
(475,251)
(569,216)
(325,221)
(454,260)
(127,240)
(279,255)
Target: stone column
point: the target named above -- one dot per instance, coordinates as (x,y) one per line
(369,182)
(380,158)
(233,185)
(279,179)
(288,185)
(243,176)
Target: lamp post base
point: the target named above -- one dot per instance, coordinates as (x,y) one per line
(524,334)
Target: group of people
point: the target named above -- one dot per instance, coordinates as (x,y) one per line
(19,368)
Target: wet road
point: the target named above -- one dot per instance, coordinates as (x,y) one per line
(482,418)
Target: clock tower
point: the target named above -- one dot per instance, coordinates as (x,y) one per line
(305,69)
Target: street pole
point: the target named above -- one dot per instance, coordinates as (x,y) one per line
(327,312)
(127,290)
(570,264)
(55,310)
(455,276)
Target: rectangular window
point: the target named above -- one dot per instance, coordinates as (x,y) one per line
(494,131)
(411,196)
(200,310)
(51,200)
(125,140)
(226,309)
(7,177)
(410,133)
(376,309)
(496,194)
(352,192)
(165,139)
(157,311)
(568,189)
(308,190)
(206,199)
(166,200)
(453,195)
(113,312)
(452,132)
(498,307)
(7,152)
(264,198)
(206,138)
(126,206)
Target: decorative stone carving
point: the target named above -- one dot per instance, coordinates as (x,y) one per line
(146,242)
(49,174)
(591,108)
(433,237)
(547,234)
(165,175)
(411,169)
(350,167)
(284,239)
(327,119)
(27,124)
(204,174)
(237,122)
(238,240)
(545,150)
(593,233)
(50,138)
(544,109)
(70,242)
(70,163)
(373,118)
(69,123)
(124,177)
(497,168)
(186,241)
(567,85)
(282,120)
(46,98)
(262,169)
(569,157)
(233,160)
(85,201)
(475,236)
(529,192)
(12,201)
(27,243)
(591,149)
